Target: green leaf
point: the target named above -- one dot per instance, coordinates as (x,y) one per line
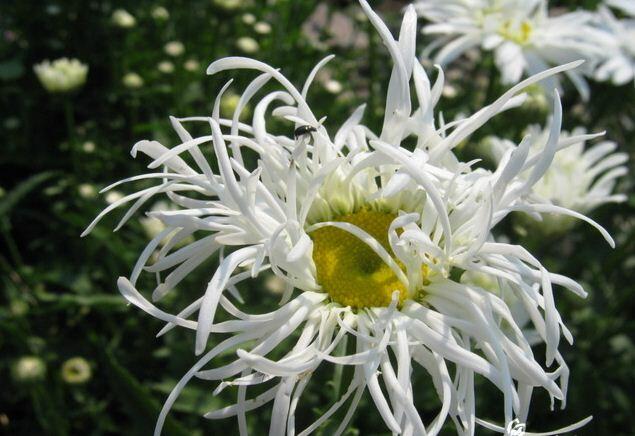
(8,202)
(46,408)
(135,398)
(193,399)
(11,69)
(97,300)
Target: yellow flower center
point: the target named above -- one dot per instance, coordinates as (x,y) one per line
(520,33)
(349,270)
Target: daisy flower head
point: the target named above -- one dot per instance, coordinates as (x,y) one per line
(124,19)
(160,13)
(618,64)
(62,75)
(522,35)
(580,178)
(368,237)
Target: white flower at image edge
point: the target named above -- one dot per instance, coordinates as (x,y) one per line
(626,6)
(524,38)
(619,65)
(365,234)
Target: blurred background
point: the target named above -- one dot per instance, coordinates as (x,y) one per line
(74,359)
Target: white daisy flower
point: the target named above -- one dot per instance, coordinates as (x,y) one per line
(248,18)
(262,27)
(247,44)
(524,38)
(229,5)
(580,178)
(618,64)
(61,75)
(160,13)
(132,80)
(124,19)
(367,237)
(165,67)
(192,65)
(174,48)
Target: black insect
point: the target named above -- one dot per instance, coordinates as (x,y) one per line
(303,130)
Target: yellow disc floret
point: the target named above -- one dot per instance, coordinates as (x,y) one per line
(520,33)
(349,270)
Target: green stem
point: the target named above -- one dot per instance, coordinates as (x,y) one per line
(339,369)
(72,133)
(69,116)
(491,82)
(11,245)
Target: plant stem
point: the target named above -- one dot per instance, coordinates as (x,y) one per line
(11,245)
(70,119)
(72,133)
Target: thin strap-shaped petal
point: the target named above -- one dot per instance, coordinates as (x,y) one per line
(213,291)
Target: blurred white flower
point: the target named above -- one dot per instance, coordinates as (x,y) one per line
(174,48)
(87,191)
(192,65)
(88,147)
(230,102)
(449,91)
(247,44)
(28,369)
(152,225)
(618,64)
(275,284)
(249,19)
(537,99)
(113,196)
(166,67)
(229,5)
(17,308)
(262,28)
(132,80)
(53,9)
(522,35)
(580,178)
(76,371)
(123,18)
(61,75)
(11,123)
(160,13)
(333,86)
(368,237)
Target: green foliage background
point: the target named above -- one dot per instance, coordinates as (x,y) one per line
(59,298)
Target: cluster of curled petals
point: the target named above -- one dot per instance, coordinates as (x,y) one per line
(580,177)
(262,215)
(618,66)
